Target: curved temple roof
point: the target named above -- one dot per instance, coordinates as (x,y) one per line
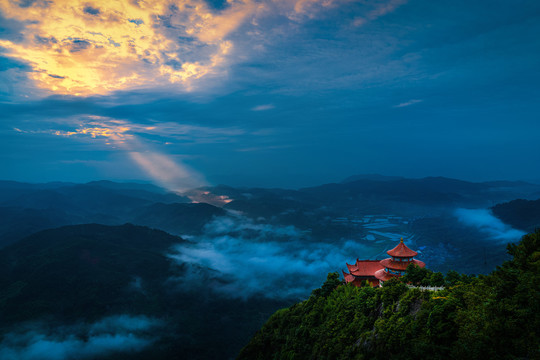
(364,268)
(397,265)
(374,270)
(348,277)
(383,275)
(401,250)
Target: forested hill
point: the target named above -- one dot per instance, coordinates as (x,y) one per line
(94,291)
(521,214)
(487,317)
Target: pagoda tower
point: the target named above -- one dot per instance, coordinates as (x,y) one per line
(376,272)
(396,266)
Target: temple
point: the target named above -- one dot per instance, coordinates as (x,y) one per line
(376,272)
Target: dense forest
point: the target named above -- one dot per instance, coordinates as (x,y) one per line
(495,316)
(111,292)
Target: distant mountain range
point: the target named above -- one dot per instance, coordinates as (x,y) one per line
(27,208)
(373,177)
(362,194)
(430,191)
(67,256)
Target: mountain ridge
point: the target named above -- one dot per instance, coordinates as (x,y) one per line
(67,278)
(468,319)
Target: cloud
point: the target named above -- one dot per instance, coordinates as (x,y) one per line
(380,9)
(107,46)
(200,134)
(264,148)
(263,107)
(309,8)
(116,132)
(166,170)
(253,259)
(117,129)
(121,333)
(74,47)
(486,222)
(408,103)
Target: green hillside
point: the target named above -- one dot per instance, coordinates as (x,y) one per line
(82,271)
(77,287)
(521,214)
(487,317)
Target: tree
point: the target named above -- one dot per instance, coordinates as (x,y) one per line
(452,278)
(436,279)
(416,275)
(332,282)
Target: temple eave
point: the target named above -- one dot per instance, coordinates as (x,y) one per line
(375,272)
(400,265)
(384,276)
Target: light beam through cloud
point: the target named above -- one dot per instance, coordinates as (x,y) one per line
(166,172)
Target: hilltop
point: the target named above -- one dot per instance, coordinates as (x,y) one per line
(520,213)
(494,316)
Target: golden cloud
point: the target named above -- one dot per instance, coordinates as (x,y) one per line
(81,47)
(102,127)
(116,132)
(86,47)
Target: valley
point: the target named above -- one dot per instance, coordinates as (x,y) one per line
(87,253)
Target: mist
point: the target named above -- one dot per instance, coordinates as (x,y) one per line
(115,334)
(248,259)
(487,223)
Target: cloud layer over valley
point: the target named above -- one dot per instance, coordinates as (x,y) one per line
(486,222)
(250,259)
(115,334)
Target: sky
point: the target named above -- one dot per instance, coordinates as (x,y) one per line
(273,93)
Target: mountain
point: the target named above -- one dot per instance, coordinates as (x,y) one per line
(255,250)
(39,195)
(520,213)
(89,198)
(494,316)
(178,218)
(118,289)
(370,213)
(430,191)
(18,222)
(373,177)
(128,186)
(11,189)
(32,207)
(79,271)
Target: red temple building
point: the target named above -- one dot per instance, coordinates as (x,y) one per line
(375,272)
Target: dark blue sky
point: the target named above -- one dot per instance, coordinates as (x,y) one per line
(269,93)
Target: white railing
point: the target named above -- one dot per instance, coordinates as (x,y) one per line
(428,288)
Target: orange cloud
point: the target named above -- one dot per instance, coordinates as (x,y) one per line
(116,132)
(81,47)
(379,10)
(298,9)
(115,129)
(86,47)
